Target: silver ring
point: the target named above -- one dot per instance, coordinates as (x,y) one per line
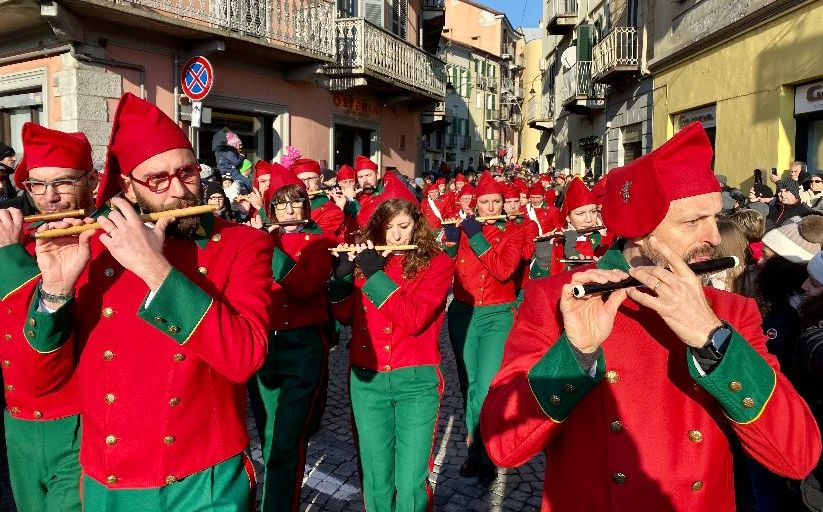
(654,289)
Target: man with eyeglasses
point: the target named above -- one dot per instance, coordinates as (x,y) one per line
(42,428)
(327,210)
(163,323)
(813,198)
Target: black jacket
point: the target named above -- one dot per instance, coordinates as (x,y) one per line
(22,202)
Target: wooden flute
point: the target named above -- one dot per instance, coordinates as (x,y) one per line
(700,267)
(376,248)
(555,236)
(146,217)
(301,222)
(44,217)
(479,219)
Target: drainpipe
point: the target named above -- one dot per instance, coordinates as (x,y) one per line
(115,64)
(175,78)
(47,52)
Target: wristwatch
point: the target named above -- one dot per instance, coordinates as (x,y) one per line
(712,351)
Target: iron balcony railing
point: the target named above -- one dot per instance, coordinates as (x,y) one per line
(541,108)
(364,49)
(303,25)
(577,82)
(434,4)
(617,50)
(558,8)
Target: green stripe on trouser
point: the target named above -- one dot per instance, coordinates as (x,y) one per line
(224,487)
(283,394)
(478,335)
(395,414)
(43,463)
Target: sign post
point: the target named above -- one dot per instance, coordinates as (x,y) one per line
(196,80)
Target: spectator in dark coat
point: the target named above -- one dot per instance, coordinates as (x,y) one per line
(788,207)
(227,149)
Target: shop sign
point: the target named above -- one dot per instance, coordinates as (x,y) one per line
(808,98)
(707,116)
(355,107)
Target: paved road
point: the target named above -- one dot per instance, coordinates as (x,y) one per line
(332,484)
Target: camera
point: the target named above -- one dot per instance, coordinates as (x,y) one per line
(758,177)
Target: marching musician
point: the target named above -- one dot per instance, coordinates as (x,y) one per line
(511,207)
(396,308)
(637,396)
(42,430)
(487,256)
(326,209)
(169,322)
(288,388)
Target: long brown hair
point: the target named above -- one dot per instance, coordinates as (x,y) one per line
(423,238)
(733,242)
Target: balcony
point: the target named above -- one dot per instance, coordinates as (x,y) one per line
(435,118)
(578,93)
(434,5)
(368,55)
(616,56)
(434,19)
(541,112)
(296,26)
(561,16)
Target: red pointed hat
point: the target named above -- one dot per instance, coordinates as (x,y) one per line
(261,168)
(139,131)
(488,185)
(280,177)
(536,189)
(43,147)
(345,173)
(306,165)
(392,188)
(511,192)
(638,194)
(460,178)
(599,189)
(362,162)
(577,195)
(467,190)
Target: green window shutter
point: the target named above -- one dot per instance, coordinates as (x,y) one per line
(584,42)
(469,84)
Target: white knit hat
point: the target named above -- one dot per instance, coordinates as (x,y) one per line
(796,241)
(815,267)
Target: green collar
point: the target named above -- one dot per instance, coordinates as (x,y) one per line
(318,201)
(613,259)
(203,234)
(312,228)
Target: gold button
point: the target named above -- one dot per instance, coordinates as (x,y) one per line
(307,238)
(748,403)
(14,410)
(111,440)
(387,368)
(695,435)
(30,334)
(179,358)
(554,400)
(616,426)
(365,308)
(387,348)
(111,479)
(286,323)
(482,276)
(109,272)
(735,386)
(619,478)
(9,387)
(387,330)
(32,322)
(108,355)
(216,237)
(569,388)
(203,271)
(170,479)
(37,415)
(169,440)
(480,303)
(6,363)
(173,329)
(697,486)
(612,376)
(462,261)
(174,402)
(285,306)
(8,337)
(109,398)
(108,312)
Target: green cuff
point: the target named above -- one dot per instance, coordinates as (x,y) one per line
(352,208)
(479,244)
(557,381)
(177,307)
(379,287)
(281,264)
(47,332)
(450,250)
(16,257)
(743,382)
(339,288)
(262,213)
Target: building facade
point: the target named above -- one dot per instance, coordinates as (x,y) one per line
(532,49)
(334,80)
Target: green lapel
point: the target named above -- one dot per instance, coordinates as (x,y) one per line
(613,259)
(312,228)
(203,234)
(318,201)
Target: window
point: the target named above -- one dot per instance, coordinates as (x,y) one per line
(374,12)
(346,8)
(400,17)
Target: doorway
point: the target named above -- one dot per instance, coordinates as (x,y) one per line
(351,141)
(256,132)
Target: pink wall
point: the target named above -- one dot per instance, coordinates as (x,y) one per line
(53,65)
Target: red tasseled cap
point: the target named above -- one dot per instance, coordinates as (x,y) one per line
(280,177)
(362,162)
(488,185)
(345,173)
(460,179)
(577,195)
(537,189)
(511,192)
(467,190)
(261,168)
(43,147)
(638,194)
(305,165)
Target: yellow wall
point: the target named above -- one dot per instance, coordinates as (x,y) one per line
(473,26)
(751,80)
(530,137)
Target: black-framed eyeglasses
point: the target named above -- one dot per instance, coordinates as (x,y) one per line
(159,183)
(281,206)
(61,186)
(817,181)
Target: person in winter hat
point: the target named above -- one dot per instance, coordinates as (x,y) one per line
(788,208)
(8,160)
(795,241)
(227,146)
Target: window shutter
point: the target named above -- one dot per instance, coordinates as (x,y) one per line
(584,42)
(469,83)
(374,12)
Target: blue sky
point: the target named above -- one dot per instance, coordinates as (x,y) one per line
(514,10)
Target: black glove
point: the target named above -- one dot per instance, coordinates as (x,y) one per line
(369,262)
(343,266)
(451,233)
(543,253)
(470,226)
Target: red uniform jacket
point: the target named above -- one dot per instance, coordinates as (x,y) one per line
(429,213)
(530,231)
(328,216)
(486,264)
(301,266)
(162,386)
(395,321)
(653,434)
(588,246)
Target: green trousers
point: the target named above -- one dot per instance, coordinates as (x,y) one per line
(478,336)
(225,487)
(43,463)
(284,393)
(395,418)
